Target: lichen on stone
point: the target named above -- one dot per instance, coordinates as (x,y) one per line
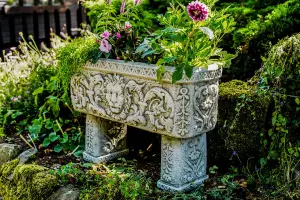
(18,182)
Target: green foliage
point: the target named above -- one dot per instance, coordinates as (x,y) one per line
(114,181)
(260,24)
(73,56)
(241,118)
(280,77)
(185,44)
(34,103)
(107,17)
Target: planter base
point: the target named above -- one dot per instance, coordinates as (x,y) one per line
(106,158)
(183,188)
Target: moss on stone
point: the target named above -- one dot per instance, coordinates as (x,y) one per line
(238,131)
(25,182)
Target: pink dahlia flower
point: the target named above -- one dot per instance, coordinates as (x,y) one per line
(197,11)
(105,46)
(105,34)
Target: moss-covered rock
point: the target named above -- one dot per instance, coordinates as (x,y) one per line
(18,182)
(241,120)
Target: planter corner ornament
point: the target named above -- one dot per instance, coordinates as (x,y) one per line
(115,94)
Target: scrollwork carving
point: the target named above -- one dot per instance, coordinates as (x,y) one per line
(160,108)
(167,160)
(205,107)
(194,159)
(127,101)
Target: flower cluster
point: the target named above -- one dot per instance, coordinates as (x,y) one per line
(197,11)
(105,45)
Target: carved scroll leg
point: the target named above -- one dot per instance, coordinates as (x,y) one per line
(183,163)
(104,140)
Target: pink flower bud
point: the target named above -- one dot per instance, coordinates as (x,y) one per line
(118,35)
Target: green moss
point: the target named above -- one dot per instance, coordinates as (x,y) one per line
(241,120)
(19,182)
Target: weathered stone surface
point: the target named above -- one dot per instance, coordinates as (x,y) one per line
(68,192)
(129,94)
(24,156)
(8,152)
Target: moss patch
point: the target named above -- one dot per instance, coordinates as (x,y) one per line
(241,120)
(18,182)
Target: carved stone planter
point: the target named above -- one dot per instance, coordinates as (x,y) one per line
(115,94)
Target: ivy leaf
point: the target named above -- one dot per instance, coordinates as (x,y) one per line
(53,137)
(64,139)
(35,129)
(49,124)
(78,153)
(57,148)
(15,115)
(208,32)
(46,142)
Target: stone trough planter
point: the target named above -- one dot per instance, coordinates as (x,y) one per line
(115,94)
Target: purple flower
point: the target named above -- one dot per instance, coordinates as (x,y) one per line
(105,34)
(234,153)
(197,11)
(123,6)
(118,35)
(108,2)
(105,46)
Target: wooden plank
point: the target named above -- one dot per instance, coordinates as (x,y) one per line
(12,34)
(47,28)
(57,22)
(68,22)
(31,9)
(36,27)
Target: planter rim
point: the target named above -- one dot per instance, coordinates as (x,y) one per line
(148,71)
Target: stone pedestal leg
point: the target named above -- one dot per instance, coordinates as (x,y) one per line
(183,163)
(104,140)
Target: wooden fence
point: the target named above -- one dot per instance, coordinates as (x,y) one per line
(37,20)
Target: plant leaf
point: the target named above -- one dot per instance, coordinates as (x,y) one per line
(208,32)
